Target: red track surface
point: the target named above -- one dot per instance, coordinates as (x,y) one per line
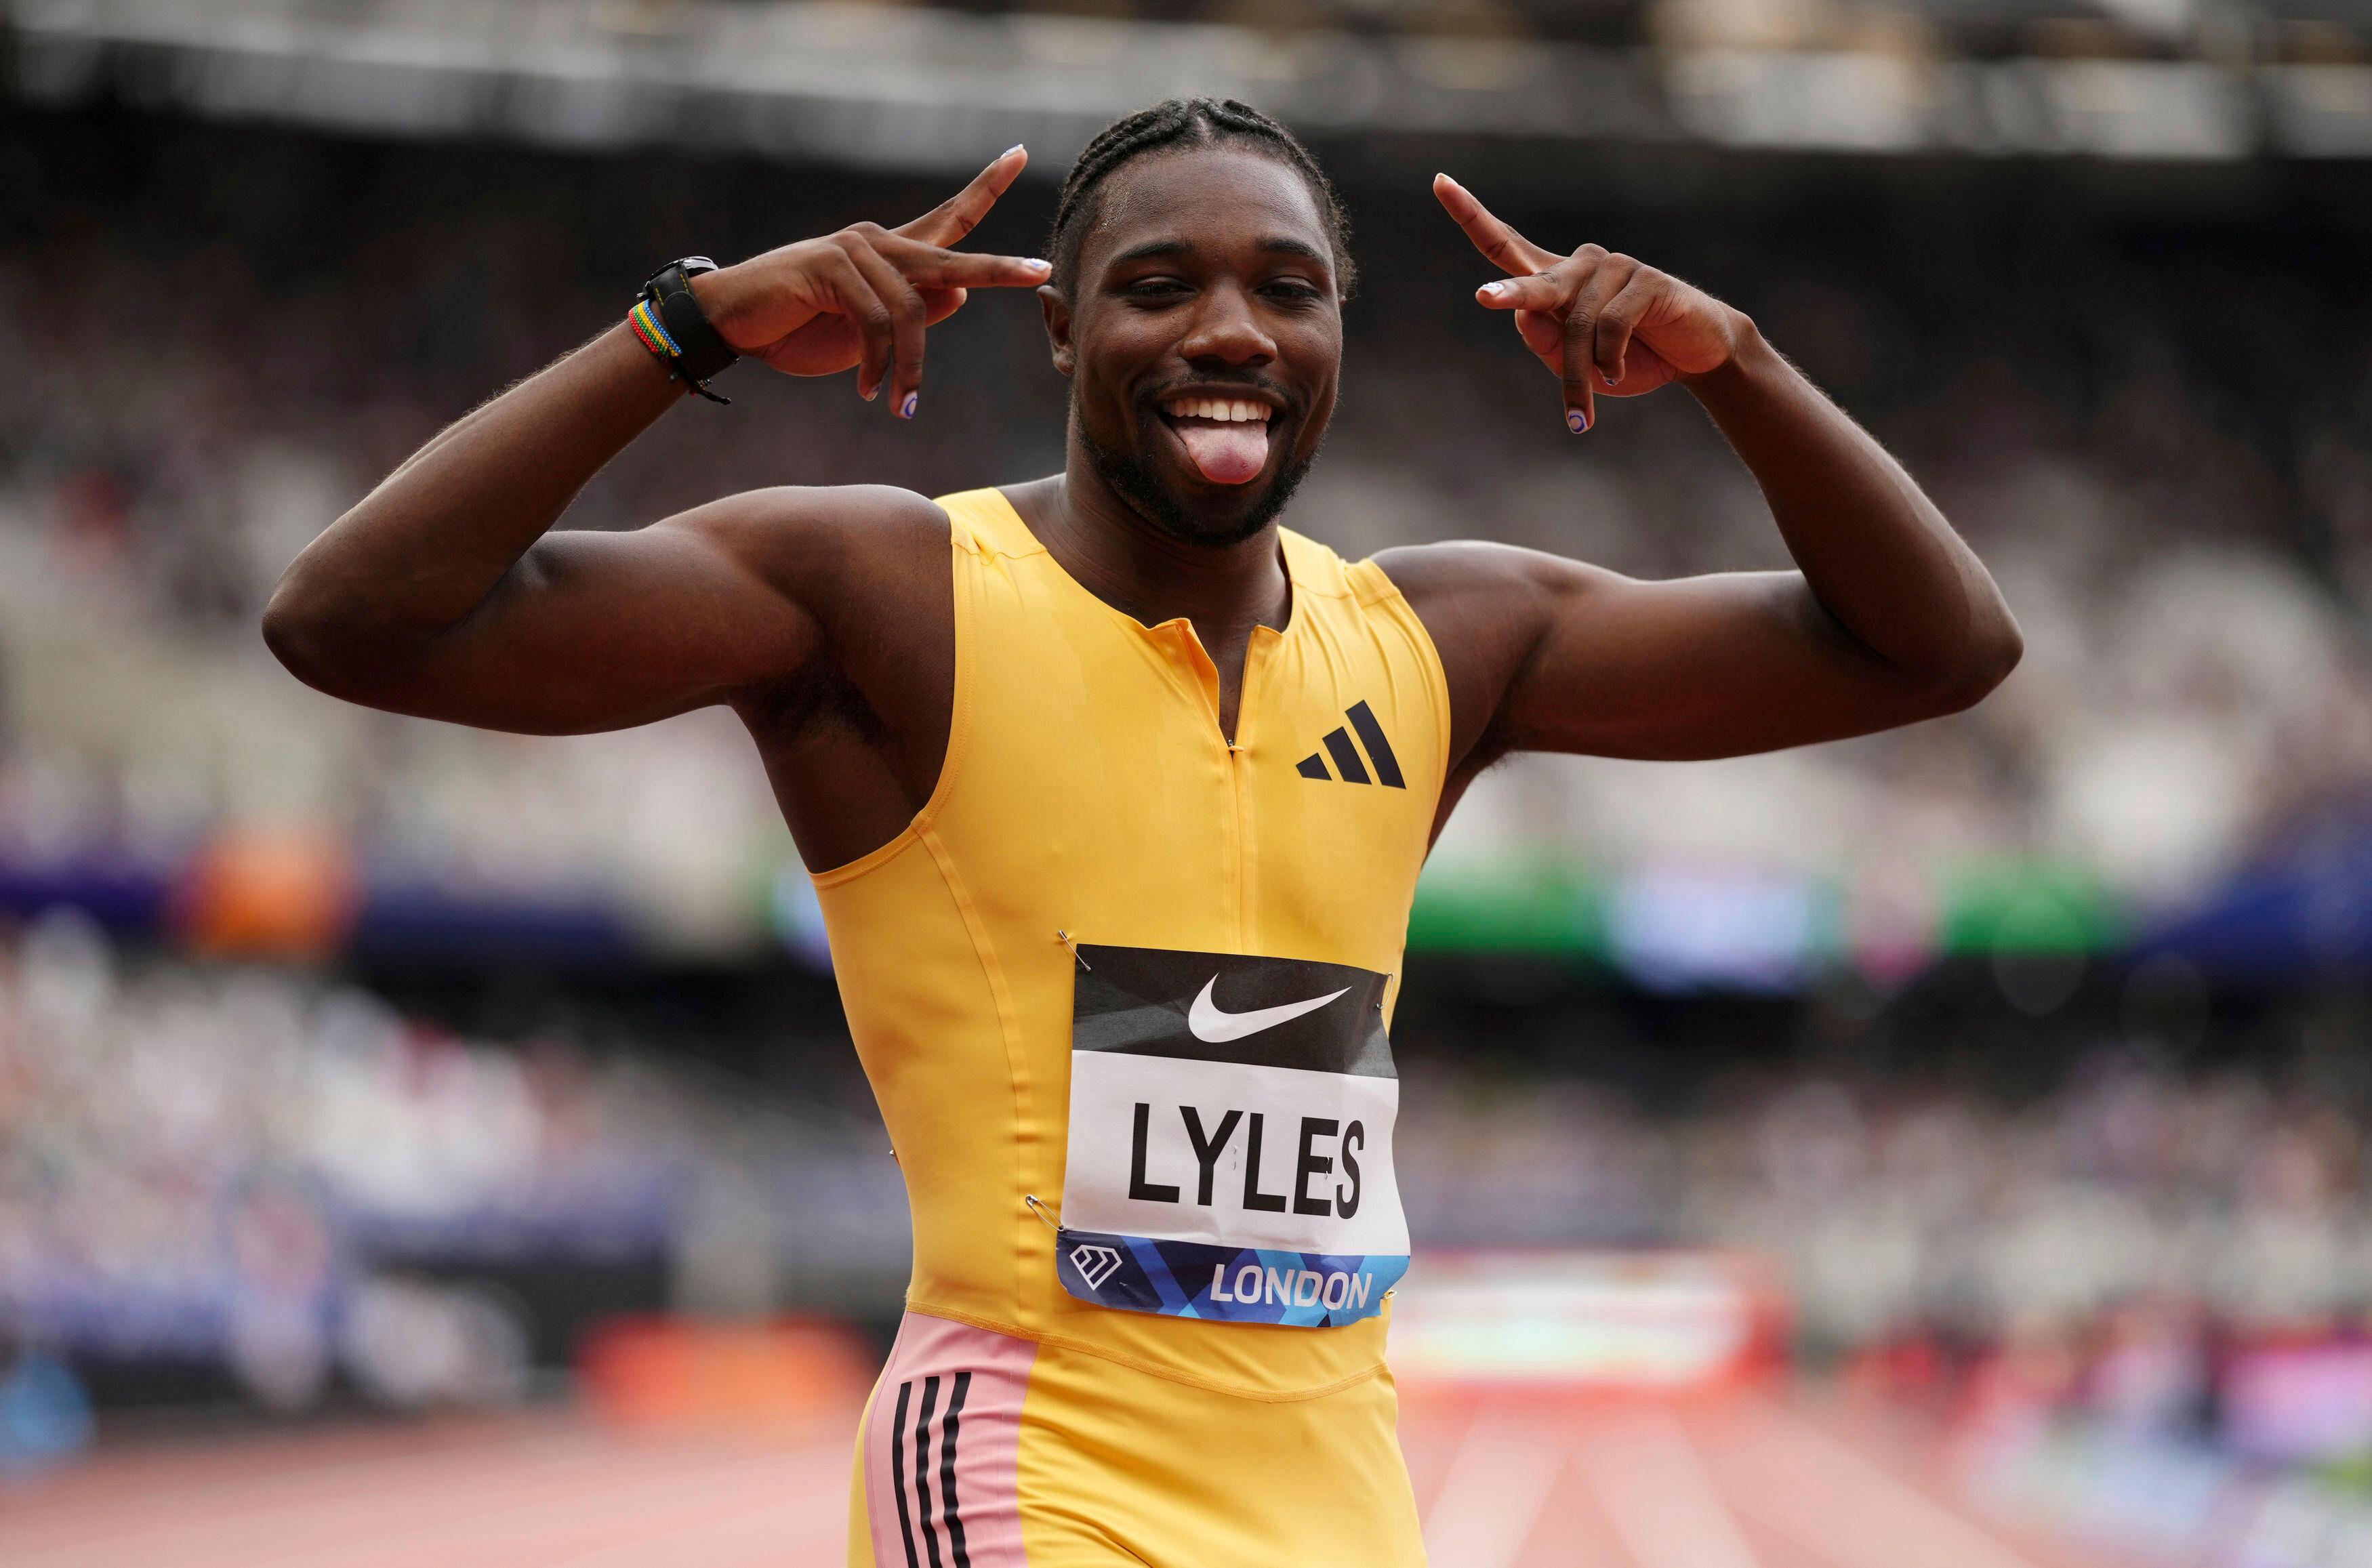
(1744,1483)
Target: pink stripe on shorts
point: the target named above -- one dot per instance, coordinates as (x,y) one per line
(940,1448)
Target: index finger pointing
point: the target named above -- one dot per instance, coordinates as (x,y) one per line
(1515,255)
(929,266)
(962,213)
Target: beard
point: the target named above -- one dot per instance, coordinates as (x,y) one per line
(1132,479)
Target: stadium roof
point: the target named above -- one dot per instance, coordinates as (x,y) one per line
(907,87)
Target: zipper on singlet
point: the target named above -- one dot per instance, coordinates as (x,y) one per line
(1238,832)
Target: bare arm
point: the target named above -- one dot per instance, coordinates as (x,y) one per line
(1889,618)
(442,593)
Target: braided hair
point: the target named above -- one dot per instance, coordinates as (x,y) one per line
(1189,122)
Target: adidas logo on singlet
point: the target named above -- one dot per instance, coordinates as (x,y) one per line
(1348,763)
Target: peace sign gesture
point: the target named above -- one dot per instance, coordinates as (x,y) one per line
(1595,310)
(864,295)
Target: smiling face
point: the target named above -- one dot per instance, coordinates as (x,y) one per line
(1203,338)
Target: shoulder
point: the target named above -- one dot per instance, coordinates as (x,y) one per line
(837,536)
(797,523)
(1489,608)
(1470,589)
(1463,569)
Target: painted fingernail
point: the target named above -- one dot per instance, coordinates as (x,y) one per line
(1575,421)
(869,393)
(1035,265)
(906,409)
(1011,150)
(1614,378)
(1496,290)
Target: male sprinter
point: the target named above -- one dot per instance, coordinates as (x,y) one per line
(1121,789)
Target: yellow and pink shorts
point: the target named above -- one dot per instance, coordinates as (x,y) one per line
(982,1450)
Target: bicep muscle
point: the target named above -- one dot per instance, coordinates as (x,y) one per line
(603,630)
(1544,654)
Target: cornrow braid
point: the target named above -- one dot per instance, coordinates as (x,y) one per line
(1189,122)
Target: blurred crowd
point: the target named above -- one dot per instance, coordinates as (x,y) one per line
(273,1174)
(1902,1210)
(200,1162)
(238,339)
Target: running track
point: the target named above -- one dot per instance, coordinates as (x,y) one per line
(1745,1483)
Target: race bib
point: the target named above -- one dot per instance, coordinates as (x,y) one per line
(1231,1139)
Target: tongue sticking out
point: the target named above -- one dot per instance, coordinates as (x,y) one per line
(1228,454)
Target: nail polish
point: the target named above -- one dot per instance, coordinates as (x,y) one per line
(1011,150)
(1575,421)
(906,409)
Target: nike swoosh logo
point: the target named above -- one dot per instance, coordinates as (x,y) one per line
(1214,1027)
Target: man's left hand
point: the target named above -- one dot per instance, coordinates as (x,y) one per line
(1602,322)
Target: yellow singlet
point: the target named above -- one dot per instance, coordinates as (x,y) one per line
(1122,990)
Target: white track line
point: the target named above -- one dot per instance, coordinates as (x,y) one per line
(1493,1496)
(1822,1495)
(1657,1493)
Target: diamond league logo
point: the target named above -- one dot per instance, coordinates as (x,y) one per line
(1096,1264)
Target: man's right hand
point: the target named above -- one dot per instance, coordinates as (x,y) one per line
(442,594)
(864,295)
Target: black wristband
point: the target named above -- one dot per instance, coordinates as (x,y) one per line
(699,349)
